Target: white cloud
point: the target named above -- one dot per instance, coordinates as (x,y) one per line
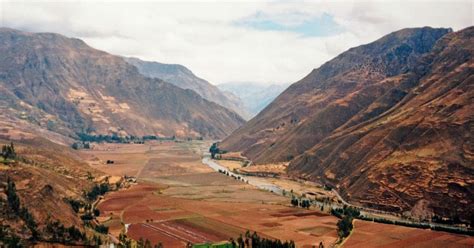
(203,35)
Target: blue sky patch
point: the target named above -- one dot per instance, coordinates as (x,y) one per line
(317,26)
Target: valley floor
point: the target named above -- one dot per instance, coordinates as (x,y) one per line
(178,200)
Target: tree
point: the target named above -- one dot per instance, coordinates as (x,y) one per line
(147,244)
(344,226)
(22,212)
(214,150)
(305,203)
(102,229)
(294,202)
(240,241)
(255,241)
(97,240)
(12,197)
(8,151)
(140,243)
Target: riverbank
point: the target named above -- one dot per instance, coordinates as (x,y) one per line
(322,198)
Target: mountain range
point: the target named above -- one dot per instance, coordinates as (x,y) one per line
(254,96)
(68,87)
(388,124)
(184,78)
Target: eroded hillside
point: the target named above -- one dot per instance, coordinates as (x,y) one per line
(185,79)
(388,123)
(66,86)
(45,178)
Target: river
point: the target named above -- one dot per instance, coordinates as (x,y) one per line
(255,181)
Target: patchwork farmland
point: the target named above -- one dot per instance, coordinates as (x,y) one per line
(178,200)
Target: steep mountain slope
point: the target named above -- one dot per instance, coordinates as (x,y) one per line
(67,86)
(185,79)
(255,97)
(379,122)
(46,175)
(329,96)
(419,154)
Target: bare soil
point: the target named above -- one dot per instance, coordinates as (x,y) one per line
(179,200)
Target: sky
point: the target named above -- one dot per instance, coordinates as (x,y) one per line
(264,42)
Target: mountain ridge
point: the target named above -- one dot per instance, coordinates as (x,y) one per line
(184,78)
(332,124)
(62,84)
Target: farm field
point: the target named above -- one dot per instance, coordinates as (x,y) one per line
(178,200)
(371,234)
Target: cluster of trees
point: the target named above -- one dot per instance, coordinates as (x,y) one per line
(153,137)
(449,221)
(81,145)
(255,241)
(304,203)
(102,229)
(344,226)
(124,241)
(327,187)
(214,150)
(61,234)
(75,204)
(145,243)
(114,138)
(231,175)
(15,206)
(96,241)
(97,190)
(420,225)
(349,211)
(347,214)
(89,212)
(127,243)
(8,239)
(8,152)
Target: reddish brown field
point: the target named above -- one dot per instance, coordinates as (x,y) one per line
(370,234)
(180,200)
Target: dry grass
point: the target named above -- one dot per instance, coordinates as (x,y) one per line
(230,164)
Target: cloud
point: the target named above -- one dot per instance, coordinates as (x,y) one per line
(248,41)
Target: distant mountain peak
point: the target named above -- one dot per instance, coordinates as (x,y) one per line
(184,78)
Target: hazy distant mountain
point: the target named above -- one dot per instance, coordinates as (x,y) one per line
(65,85)
(388,124)
(255,97)
(185,79)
